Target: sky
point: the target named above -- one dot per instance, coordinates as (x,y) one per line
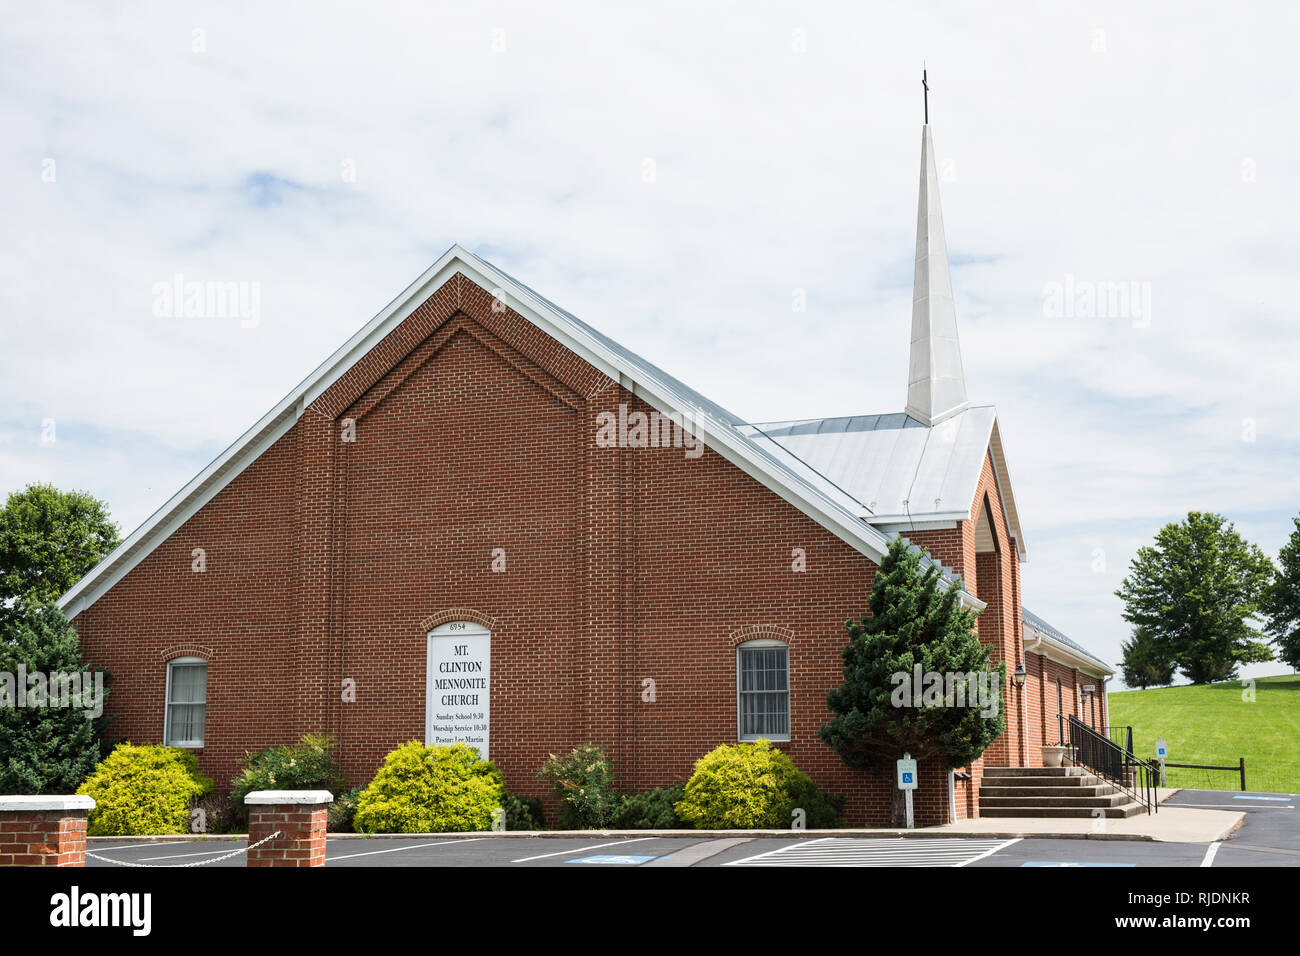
(1118,190)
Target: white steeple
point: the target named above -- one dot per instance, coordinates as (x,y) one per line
(936,386)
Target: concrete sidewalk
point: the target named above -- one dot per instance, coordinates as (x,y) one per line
(1169,825)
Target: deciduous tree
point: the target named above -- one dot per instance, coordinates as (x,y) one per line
(1282,601)
(48,540)
(1194,592)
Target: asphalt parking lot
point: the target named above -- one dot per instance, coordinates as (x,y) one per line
(1270,836)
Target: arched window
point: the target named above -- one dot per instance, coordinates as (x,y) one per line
(763,690)
(187,701)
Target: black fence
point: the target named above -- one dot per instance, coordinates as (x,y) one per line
(1122,737)
(1240,769)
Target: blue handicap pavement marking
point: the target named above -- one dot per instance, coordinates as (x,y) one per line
(617,860)
(1278,799)
(1043,863)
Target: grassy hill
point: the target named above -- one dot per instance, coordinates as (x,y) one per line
(1211,724)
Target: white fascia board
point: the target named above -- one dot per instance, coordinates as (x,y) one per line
(1003,478)
(221,471)
(179,508)
(1054,650)
(720,437)
(726,442)
(372,333)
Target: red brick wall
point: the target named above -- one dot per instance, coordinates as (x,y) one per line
(43,838)
(330,560)
(238,614)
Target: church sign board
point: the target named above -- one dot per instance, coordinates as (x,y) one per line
(458,686)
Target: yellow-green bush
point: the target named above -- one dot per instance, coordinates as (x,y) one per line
(143,790)
(423,789)
(753,786)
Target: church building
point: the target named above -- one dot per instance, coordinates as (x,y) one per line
(483,520)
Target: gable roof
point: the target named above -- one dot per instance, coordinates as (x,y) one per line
(899,471)
(821,500)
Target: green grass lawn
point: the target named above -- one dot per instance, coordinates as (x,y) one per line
(1212,724)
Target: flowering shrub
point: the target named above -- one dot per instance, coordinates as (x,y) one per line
(584,781)
(308,765)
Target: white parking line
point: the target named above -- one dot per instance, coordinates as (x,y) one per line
(783,849)
(1210,852)
(398,849)
(990,852)
(177,856)
(136,846)
(1232,806)
(581,849)
(899,851)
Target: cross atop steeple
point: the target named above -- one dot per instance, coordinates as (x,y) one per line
(925,86)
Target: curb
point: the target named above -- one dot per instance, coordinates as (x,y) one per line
(631,834)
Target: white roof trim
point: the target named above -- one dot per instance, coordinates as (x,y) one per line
(721,437)
(1000,473)
(1054,650)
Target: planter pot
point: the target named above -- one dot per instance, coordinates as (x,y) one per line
(1053,755)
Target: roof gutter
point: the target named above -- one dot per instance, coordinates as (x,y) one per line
(1054,650)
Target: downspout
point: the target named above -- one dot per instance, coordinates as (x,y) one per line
(1038,643)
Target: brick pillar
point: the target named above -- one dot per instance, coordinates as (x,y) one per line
(44,830)
(298,815)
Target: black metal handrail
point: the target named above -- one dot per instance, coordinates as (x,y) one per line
(1115,764)
(1120,736)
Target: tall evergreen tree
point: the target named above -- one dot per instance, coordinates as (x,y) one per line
(1194,591)
(1282,601)
(43,749)
(913,623)
(1147,661)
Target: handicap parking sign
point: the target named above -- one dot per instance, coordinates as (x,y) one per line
(907,775)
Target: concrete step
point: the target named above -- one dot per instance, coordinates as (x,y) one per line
(1029,780)
(1109,800)
(1095,790)
(1033,771)
(1117,812)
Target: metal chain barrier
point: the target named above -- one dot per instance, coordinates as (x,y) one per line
(177,866)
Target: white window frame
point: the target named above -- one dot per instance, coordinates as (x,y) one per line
(167,704)
(759,645)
